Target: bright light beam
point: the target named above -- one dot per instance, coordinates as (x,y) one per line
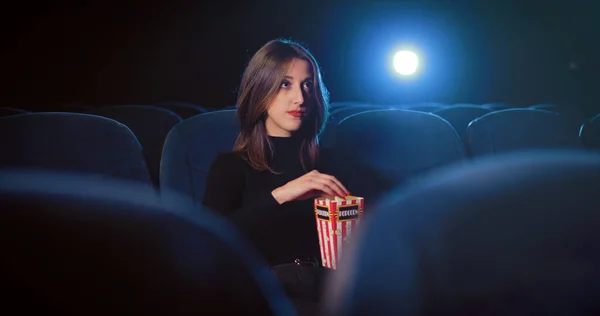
(406,62)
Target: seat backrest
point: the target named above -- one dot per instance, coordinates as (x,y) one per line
(465,104)
(379,149)
(460,117)
(425,107)
(184,110)
(340,105)
(505,235)
(191,147)
(546,106)
(327,138)
(590,133)
(497,106)
(520,129)
(573,115)
(5,111)
(72,141)
(340,114)
(149,124)
(81,246)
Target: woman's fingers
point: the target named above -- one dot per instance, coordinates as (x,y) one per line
(321,186)
(334,183)
(329,185)
(339,184)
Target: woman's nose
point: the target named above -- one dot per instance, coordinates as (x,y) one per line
(298,96)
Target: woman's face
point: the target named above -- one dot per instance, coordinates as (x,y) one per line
(288,108)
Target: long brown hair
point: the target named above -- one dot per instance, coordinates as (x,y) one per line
(260,84)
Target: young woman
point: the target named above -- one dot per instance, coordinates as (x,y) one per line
(267,184)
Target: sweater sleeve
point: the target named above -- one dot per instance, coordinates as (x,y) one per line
(224,193)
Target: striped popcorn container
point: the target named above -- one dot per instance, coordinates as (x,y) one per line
(336,218)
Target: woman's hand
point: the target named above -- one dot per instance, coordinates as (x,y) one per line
(309,186)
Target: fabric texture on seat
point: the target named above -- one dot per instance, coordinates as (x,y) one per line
(72,141)
(191,147)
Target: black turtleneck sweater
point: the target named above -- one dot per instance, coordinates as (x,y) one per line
(281,233)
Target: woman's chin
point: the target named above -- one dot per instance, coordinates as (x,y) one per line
(294,128)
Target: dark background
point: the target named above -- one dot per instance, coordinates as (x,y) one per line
(142,52)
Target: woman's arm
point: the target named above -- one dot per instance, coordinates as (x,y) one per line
(224,193)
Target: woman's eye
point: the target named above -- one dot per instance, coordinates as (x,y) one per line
(307,86)
(285,84)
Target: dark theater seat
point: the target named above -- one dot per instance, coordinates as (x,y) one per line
(97,146)
(72,245)
(520,129)
(150,124)
(380,149)
(192,146)
(506,235)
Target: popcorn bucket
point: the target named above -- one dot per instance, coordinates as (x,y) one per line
(336,219)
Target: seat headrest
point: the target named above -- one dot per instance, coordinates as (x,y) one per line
(511,234)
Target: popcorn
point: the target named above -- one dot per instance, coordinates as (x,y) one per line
(336,219)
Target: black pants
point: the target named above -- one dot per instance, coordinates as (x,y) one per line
(303,283)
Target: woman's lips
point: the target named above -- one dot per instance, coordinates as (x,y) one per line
(296,113)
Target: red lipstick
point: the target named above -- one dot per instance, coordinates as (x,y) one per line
(296,113)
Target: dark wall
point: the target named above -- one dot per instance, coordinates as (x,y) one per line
(109,52)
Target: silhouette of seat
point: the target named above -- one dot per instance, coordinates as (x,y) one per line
(513,234)
(99,247)
(497,106)
(328,136)
(6,111)
(191,147)
(590,133)
(380,149)
(460,117)
(184,110)
(520,129)
(72,141)
(149,124)
(427,107)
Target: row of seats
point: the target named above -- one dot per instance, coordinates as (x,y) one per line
(407,144)
(187,110)
(151,125)
(459,116)
(504,235)
(377,148)
(181,109)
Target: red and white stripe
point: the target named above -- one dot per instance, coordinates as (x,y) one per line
(333,233)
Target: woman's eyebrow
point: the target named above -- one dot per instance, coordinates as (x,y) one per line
(292,78)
